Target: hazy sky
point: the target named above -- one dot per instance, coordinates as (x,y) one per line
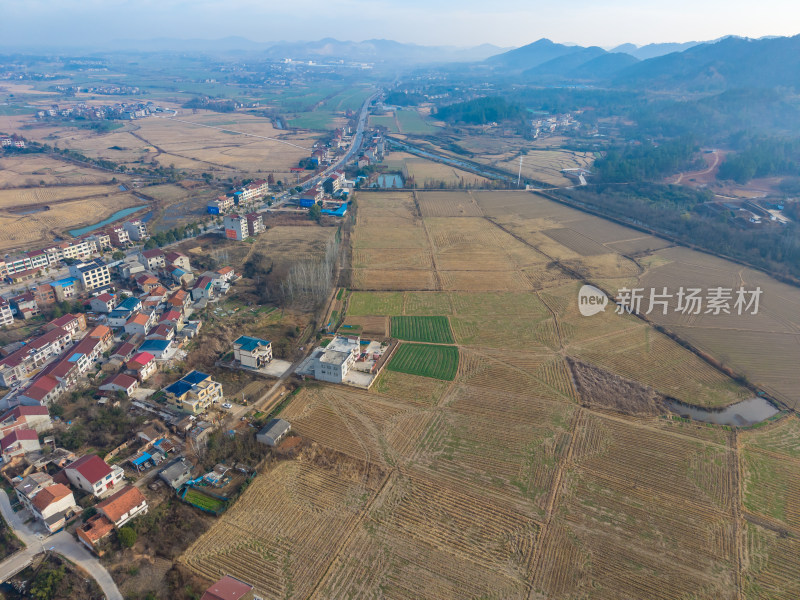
(452,22)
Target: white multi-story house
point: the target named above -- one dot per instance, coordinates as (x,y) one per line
(235,227)
(252,352)
(6,316)
(53,506)
(136,229)
(334,363)
(91,474)
(92,275)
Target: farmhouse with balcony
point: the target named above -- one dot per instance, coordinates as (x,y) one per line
(91,474)
(252,352)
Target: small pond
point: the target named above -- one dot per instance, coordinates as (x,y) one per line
(741,414)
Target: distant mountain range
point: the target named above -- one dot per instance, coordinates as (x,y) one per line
(375,51)
(727,63)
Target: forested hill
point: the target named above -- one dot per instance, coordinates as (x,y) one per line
(481,111)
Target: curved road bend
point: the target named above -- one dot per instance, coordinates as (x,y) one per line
(62,542)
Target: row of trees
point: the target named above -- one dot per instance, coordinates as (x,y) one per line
(309,282)
(176,234)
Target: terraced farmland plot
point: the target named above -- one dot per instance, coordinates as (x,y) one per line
(644,355)
(435,330)
(438,362)
(461,443)
(281,533)
(773,561)
(644,515)
(771,487)
(448,204)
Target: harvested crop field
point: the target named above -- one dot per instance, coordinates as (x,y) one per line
(39,228)
(31,170)
(435,330)
(437,362)
(533,457)
(279,536)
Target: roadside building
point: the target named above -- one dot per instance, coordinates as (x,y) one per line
(53,506)
(91,474)
(31,485)
(252,352)
(334,363)
(235,227)
(177,473)
(124,505)
(273,432)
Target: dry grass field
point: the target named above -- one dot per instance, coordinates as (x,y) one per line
(196,142)
(27,231)
(546,165)
(14,198)
(505,482)
(31,170)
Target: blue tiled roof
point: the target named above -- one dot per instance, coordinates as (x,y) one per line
(129,304)
(249,344)
(157,345)
(179,388)
(195,377)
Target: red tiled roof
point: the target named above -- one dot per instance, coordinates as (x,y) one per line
(25,411)
(227,588)
(92,467)
(120,503)
(124,349)
(63,321)
(42,386)
(120,379)
(95,529)
(18,436)
(104,297)
(140,359)
(139,319)
(100,331)
(49,495)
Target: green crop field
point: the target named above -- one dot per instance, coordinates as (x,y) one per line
(312,120)
(422,329)
(385,121)
(437,362)
(412,122)
(200,500)
(375,304)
